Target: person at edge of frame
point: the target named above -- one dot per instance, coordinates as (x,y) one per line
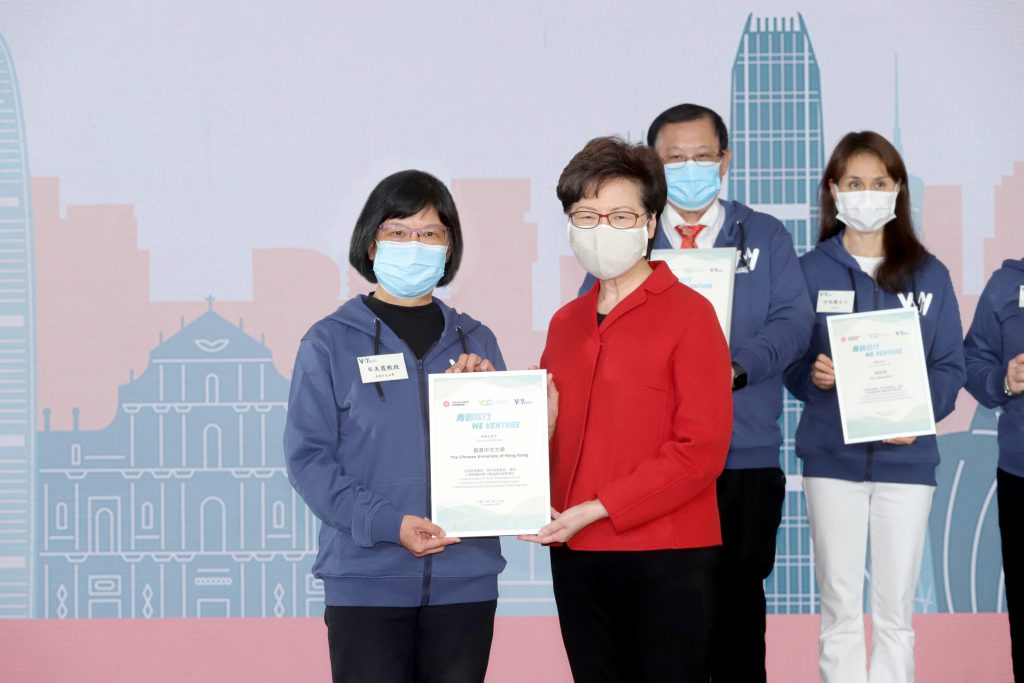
(994,350)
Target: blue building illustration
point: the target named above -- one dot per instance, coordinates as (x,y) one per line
(776,134)
(181,507)
(17,355)
(776,130)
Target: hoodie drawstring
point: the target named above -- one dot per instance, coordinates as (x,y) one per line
(376,348)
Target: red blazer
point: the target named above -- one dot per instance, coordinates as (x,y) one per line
(645,415)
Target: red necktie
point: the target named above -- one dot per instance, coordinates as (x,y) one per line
(689,234)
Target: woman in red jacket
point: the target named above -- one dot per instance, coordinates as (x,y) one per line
(642,430)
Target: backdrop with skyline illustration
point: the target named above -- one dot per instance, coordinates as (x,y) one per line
(171,222)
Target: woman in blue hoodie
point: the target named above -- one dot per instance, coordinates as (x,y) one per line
(869,256)
(995,376)
(404,602)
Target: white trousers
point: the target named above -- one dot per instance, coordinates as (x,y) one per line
(843,516)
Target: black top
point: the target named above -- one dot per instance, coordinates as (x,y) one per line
(600,318)
(417,326)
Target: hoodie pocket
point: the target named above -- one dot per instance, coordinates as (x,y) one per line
(340,557)
(470,558)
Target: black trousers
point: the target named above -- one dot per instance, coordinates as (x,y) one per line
(435,644)
(1010,495)
(636,617)
(750,507)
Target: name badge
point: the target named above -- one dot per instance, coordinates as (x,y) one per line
(383,368)
(835,301)
(1020,297)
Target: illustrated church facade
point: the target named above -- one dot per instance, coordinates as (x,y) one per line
(181,507)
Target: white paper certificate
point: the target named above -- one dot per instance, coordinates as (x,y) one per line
(881,375)
(489,452)
(708,271)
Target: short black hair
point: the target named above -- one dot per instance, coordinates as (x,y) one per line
(608,158)
(689,112)
(401,195)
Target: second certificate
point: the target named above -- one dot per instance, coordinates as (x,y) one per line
(881,375)
(489,452)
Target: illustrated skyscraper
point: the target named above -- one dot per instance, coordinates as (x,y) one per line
(776,127)
(17,354)
(778,158)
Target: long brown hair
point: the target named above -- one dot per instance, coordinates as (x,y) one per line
(903,251)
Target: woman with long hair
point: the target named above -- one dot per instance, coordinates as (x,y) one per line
(878,492)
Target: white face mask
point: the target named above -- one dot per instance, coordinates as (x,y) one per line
(606,252)
(866,211)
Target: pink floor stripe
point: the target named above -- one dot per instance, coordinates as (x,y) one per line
(968,648)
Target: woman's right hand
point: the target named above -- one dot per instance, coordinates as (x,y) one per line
(823,373)
(422,537)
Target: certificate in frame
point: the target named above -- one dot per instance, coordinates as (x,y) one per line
(489,471)
(710,272)
(881,375)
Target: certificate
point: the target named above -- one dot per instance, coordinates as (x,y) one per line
(489,452)
(708,271)
(881,375)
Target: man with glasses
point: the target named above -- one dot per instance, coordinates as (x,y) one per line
(771,327)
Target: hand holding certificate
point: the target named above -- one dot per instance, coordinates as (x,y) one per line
(709,272)
(489,452)
(881,375)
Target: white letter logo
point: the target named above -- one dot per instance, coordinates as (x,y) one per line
(751,258)
(924,301)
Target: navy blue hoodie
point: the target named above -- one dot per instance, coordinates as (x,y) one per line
(995,337)
(771,326)
(361,463)
(819,438)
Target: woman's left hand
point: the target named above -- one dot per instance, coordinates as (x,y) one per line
(470,362)
(566,524)
(901,440)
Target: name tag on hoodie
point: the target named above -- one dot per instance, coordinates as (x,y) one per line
(835,301)
(1020,297)
(383,368)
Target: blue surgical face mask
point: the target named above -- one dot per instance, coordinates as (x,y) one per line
(692,185)
(409,269)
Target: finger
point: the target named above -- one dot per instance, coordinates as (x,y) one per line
(555,514)
(485,366)
(435,543)
(428,527)
(460,364)
(472,362)
(534,367)
(532,538)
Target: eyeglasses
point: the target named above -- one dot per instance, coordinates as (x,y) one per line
(396,232)
(705,159)
(622,220)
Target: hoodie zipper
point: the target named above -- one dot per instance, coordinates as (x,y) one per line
(428,561)
(869,464)
(421,378)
